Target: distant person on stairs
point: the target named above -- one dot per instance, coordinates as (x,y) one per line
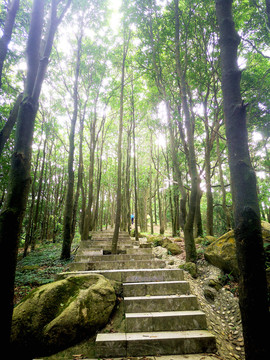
(132,218)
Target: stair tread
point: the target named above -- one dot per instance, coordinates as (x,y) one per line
(164,313)
(155,335)
(124,261)
(174,357)
(157,282)
(153,297)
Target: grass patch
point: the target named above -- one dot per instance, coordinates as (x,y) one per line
(38,268)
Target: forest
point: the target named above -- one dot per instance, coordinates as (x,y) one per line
(111,108)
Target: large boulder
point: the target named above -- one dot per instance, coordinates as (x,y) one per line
(222,252)
(60,314)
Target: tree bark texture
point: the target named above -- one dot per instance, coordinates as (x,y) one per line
(119,152)
(8,127)
(68,213)
(249,245)
(19,178)
(188,228)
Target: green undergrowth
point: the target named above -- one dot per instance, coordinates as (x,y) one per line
(38,268)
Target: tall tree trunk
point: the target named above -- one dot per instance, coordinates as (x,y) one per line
(119,150)
(198,231)
(7,129)
(19,178)
(135,188)
(127,187)
(249,244)
(209,195)
(35,221)
(177,171)
(89,214)
(188,228)
(68,213)
(29,229)
(223,190)
(7,32)
(150,200)
(80,179)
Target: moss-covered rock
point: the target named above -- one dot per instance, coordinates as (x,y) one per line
(208,239)
(222,252)
(59,314)
(190,267)
(155,240)
(173,248)
(168,244)
(199,240)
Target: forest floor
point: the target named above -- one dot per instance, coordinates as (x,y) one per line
(220,304)
(39,267)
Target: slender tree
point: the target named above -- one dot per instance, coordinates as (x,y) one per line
(189,124)
(68,213)
(134,164)
(7,129)
(248,236)
(19,178)
(119,150)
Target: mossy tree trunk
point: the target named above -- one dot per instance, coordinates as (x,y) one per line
(249,244)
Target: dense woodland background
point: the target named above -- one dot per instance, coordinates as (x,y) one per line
(81,94)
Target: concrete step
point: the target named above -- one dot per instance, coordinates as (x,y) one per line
(109,237)
(156,288)
(133,275)
(121,264)
(154,343)
(137,304)
(108,234)
(102,251)
(118,257)
(179,357)
(166,321)
(106,244)
(138,251)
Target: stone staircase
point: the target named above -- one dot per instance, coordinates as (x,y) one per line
(161,316)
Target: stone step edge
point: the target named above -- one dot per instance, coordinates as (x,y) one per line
(156,282)
(169,357)
(154,335)
(119,257)
(137,270)
(121,261)
(120,271)
(164,314)
(159,297)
